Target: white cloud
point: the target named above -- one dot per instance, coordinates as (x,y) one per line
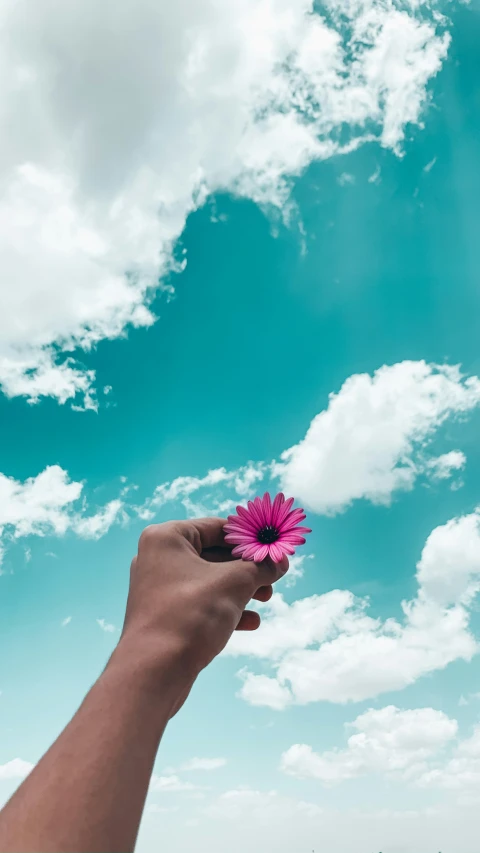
(106,626)
(39,504)
(112,134)
(241,482)
(369,442)
(346,179)
(449,568)
(95,526)
(264,806)
(328,648)
(386,740)
(168,784)
(296,569)
(461,772)
(204,764)
(429,166)
(66,621)
(47,505)
(443,466)
(264,691)
(373,439)
(17,768)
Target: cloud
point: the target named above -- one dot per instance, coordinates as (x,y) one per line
(443,466)
(106,626)
(167,784)
(459,773)
(240,482)
(387,741)
(48,505)
(373,440)
(66,621)
(449,569)
(15,769)
(369,442)
(95,526)
(264,691)
(296,569)
(429,166)
(154,808)
(204,764)
(328,648)
(112,135)
(264,806)
(346,179)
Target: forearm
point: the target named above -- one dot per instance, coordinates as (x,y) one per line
(88,791)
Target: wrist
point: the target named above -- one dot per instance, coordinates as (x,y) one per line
(159,666)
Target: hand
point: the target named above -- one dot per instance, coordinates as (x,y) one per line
(187,595)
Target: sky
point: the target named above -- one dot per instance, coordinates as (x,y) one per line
(239,252)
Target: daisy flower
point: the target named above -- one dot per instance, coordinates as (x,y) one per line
(265,529)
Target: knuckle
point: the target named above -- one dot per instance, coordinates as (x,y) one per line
(168,534)
(148,536)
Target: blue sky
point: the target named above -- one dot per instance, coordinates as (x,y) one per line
(270,223)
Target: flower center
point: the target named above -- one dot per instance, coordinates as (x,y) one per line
(267,535)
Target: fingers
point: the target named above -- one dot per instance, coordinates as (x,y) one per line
(249,621)
(218,555)
(252,580)
(265,573)
(263,594)
(204,533)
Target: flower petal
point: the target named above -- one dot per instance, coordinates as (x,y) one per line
(250,551)
(258,502)
(276,552)
(284,510)
(245,516)
(267,508)
(235,539)
(254,512)
(277,504)
(238,551)
(300,530)
(239,528)
(261,553)
(292,539)
(292,519)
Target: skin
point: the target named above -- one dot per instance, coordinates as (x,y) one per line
(186,597)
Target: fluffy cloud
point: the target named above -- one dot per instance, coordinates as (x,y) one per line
(297,568)
(419,746)
(385,741)
(373,439)
(461,772)
(369,442)
(216,487)
(449,568)
(443,466)
(112,134)
(48,505)
(17,768)
(328,648)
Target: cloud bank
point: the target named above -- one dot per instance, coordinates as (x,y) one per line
(117,123)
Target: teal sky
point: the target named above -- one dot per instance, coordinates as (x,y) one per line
(374,261)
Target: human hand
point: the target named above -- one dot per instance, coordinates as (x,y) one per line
(187,595)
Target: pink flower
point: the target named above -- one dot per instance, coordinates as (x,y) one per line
(265,529)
